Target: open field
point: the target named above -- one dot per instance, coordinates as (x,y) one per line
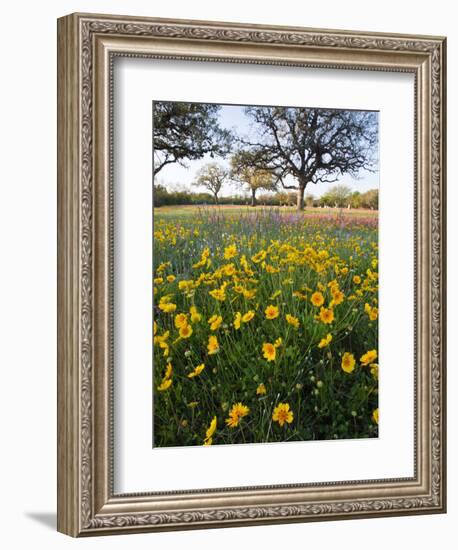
(266,325)
(236,210)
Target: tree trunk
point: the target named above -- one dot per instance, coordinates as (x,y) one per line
(300,195)
(253,197)
(216,198)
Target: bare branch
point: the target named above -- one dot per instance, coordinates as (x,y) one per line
(312,145)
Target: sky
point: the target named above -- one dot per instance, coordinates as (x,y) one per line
(176,177)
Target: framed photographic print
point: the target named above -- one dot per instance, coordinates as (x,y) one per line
(261,293)
(251,274)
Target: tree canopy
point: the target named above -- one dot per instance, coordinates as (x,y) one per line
(212,176)
(244,172)
(311,145)
(339,196)
(187,131)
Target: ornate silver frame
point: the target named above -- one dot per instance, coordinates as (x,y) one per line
(87,44)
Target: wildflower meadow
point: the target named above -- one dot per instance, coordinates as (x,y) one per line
(265,325)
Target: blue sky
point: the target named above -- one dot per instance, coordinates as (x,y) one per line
(176,177)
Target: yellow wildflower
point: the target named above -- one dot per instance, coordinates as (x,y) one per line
(210,431)
(348,362)
(368,357)
(165,385)
(375,416)
(271,269)
(195,315)
(161,339)
(204,259)
(237,320)
(185,331)
(272,312)
(282,414)
(293,321)
(317,299)
(229,270)
(168,371)
(337,297)
(261,389)
(166,299)
(167,307)
(326,316)
(218,293)
(248,316)
(163,267)
(170,278)
(212,346)
(269,351)
(371,311)
(259,257)
(230,252)
(167,379)
(246,268)
(181,320)
(162,342)
(237,412)
(196,371)
(186,286)
(215,321)
(325,341)
(248,294)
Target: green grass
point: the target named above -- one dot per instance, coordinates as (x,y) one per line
(189,211)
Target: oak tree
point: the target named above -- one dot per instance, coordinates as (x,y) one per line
(212,176)
(244,172)
(301,145)
(187,131)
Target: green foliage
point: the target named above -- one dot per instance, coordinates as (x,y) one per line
(248,175)
(163,197)
(338,197)
(187,131)
(369,199)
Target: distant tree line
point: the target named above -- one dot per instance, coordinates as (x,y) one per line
(338,196)
(341,196)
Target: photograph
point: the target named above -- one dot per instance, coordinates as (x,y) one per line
(265,274)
